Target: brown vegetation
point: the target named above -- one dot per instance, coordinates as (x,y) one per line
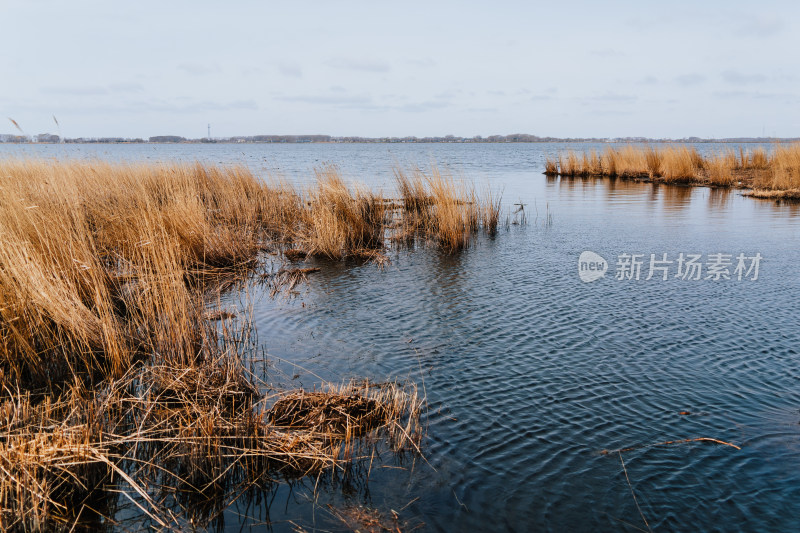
(440,208)
(775,174)
(116,377)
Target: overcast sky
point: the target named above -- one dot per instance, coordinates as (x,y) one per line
(375,68)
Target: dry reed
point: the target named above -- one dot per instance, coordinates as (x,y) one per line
(102,263)
(115,378)
(443,209)
(771,175)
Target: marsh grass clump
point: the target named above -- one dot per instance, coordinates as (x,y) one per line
(551,166)
(783,171)
(339,220)
(653,159)
(122,378)
(177,439)
(720,170)
(99,262)
(771,174)
(102,263)
(442,209)
(413,190)
(48,474)
(351,410)
(490,211)
(680,164)
(454,215)
(570,165)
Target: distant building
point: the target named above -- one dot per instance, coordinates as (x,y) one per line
(47,138)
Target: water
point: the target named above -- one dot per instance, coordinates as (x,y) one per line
(530,373)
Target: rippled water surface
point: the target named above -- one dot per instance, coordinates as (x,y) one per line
(530,373)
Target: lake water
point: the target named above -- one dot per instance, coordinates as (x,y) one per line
(530,372)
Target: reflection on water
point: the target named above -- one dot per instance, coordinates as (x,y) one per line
(530,372)
(675,197)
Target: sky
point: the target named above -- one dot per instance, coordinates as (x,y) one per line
(375,68)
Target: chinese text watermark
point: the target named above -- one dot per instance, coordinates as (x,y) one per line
(683,266)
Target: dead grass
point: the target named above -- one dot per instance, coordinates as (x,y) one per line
(782,170)
(369,520)
(778,170)
(286,279)
(103,263)
(340,220)
(680,164)
(443,209)
(116,378)
(551,166)
(100,262)
(765,194)
(721,168)
(170,432)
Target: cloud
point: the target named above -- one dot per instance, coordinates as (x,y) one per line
(738,78)
(252,71)
(203,106)
(290,71)
(761,26)
(338,100)
(425,62)
(755,95)
(608,52)
(446,95)
(421,107)
(610,112)
(94,90)
(131,87)
(137,107)
(612,97)
(76,90)
(196,69)
(363,65)
(648,80)
(690,79)
(366,103)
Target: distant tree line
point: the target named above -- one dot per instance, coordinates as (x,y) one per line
(512,138)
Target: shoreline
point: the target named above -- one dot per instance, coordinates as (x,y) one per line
(424,140)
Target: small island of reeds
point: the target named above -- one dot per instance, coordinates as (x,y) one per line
(121,380)
(770,175)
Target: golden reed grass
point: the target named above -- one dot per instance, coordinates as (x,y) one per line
(443,209)
(114,376)
(772,174)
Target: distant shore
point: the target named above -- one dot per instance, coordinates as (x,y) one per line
(47,138)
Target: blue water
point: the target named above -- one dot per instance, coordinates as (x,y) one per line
(529,372)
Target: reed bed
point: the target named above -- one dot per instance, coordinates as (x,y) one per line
(102,263)
(775,174)
(181,442)
(117,379)
(442,209)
